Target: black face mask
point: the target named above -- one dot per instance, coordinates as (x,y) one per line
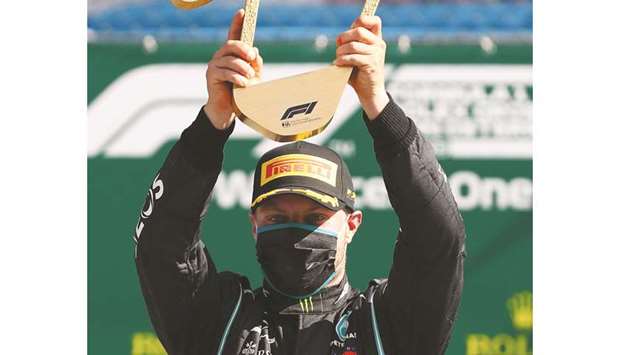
(298,260)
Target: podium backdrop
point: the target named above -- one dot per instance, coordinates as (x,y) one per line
(475,106)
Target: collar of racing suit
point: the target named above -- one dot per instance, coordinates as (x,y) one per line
(326,301)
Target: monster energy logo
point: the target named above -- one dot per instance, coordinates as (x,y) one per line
(306,304)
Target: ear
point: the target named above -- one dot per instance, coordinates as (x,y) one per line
(253,224)
(354,220)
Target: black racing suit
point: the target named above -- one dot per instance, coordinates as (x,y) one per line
(197,310)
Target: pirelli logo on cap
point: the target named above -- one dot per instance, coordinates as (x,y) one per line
(298,165)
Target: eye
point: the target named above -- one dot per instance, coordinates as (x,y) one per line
(316,218)
(276,219)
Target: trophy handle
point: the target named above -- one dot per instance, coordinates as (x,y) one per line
(370,6)
(251,14)
(249,22)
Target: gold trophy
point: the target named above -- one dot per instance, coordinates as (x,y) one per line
(291,108)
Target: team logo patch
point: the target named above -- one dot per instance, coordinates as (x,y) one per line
(342,326)
(298,165)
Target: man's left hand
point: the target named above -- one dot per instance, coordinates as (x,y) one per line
(363,48)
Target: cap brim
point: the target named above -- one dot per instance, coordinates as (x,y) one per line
(328,201)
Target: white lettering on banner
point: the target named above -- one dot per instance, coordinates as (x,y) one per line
(372,193)
(234,189)
(466,111)
(344,148)
(471,191)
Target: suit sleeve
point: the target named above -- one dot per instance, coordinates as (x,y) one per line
(178,278)
(418,303)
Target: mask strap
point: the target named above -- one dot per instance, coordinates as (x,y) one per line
(307,227)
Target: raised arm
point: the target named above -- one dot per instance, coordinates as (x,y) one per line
(417,304)
(185,296)
(419,301)
(171,260)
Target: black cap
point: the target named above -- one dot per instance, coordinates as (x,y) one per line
(304,169)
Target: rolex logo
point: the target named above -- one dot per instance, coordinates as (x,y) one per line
(520,310)
(504,343)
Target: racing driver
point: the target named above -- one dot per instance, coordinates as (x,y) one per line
(303,217)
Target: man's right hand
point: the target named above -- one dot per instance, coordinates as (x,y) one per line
(234,63)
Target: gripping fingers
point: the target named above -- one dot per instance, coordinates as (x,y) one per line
(372,23)
(237,65)
(231,76)
(258,63)
(238,49)
(357,60)
(355,48)
(359,34)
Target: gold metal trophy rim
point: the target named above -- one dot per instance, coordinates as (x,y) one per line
(189,4)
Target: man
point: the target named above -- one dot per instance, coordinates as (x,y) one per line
(303,217)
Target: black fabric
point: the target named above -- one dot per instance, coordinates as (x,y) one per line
(391,130)
(190,303)
(296,262)
(203,143)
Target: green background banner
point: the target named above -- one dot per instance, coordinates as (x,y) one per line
(493,186)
